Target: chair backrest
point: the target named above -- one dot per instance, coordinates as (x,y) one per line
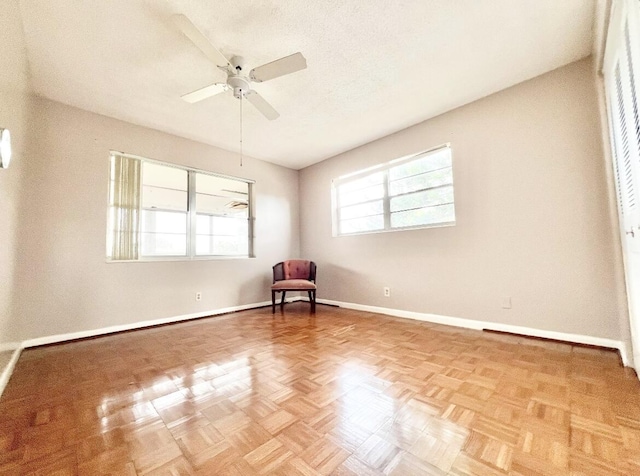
(294,269)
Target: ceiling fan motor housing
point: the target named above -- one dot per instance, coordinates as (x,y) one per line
(239,84)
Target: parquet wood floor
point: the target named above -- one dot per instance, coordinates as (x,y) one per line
(340,392)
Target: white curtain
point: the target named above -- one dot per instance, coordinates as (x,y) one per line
(124,208)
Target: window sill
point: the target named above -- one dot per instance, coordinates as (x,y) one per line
(160,259)
(393,230)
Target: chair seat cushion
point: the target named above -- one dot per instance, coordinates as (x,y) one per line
(293,284)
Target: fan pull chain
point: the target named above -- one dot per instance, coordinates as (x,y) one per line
(241,152)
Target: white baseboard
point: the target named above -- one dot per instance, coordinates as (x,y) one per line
(5,374)
(56,338)
(53,339)
(11,346)
(438,319)
(494,326)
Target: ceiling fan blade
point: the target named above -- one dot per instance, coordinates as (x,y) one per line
(288,64)
(201,41)
(262,105)
(206,92)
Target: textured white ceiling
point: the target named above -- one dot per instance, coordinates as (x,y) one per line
(374,67)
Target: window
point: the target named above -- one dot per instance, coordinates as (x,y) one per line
(621,82)
(162,210)
(222,225)
(165,211)
(412,192)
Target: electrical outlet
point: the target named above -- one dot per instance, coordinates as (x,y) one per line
(198,296)
(387,291)
(506,302)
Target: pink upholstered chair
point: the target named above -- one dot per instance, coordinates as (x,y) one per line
(294,275)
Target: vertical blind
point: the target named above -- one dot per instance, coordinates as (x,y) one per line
(124,208)
(621,80)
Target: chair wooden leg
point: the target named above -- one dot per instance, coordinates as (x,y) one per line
(284,293)
(312,300)
(273,302)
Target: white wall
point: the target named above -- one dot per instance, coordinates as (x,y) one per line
(14,115)
(64,283)
(532,216)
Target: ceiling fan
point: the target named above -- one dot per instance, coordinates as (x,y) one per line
(237,81)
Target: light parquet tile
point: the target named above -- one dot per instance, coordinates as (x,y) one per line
(296,467)
(269,456)
(324,456)
(406,463)
(338,392)
(377,453)
(278,421)
(493,452)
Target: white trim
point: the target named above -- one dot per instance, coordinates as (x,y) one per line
(294,298)
(179,166)
(337,206)
(8,370)
(9,346)
(53,339)
(158,259)
(494,326)
(435,318)
(600,29)
(350,175)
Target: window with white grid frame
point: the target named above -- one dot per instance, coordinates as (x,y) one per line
(222,215)
(408,193)
(160,210)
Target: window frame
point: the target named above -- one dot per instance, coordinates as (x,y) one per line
(190,214)
(386,198)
